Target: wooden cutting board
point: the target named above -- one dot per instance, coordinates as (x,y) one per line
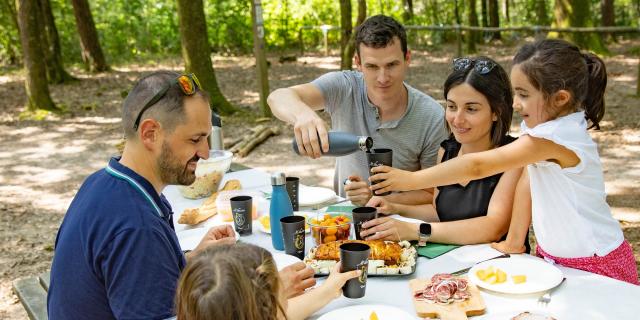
(457,310)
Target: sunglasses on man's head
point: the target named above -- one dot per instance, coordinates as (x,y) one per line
(188,84)
(479,66)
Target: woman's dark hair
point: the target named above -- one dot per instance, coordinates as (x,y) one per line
(553,64)
(496,88)
(378,32)
(229,282)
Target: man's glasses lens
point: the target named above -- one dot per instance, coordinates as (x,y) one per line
(188,83)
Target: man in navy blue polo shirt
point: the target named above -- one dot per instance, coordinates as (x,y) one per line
(117,255)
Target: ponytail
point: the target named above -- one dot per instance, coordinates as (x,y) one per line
(554,64)
(594,100)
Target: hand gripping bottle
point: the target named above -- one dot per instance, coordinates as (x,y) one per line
(343,143)
(280,207)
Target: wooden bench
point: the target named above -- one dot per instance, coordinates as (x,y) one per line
(32,292)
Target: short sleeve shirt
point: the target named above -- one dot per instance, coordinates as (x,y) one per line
(116,254)
(570,214)
(415,137)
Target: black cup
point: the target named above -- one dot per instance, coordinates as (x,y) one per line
(362,215)
(293,235)
(241,207)
(293,185)
(354,256)
(380,157)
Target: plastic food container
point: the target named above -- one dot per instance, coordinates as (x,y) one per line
(209,173)
(330,227)
(223,203)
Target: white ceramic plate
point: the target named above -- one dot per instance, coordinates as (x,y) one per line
(533,315)
(262,228)
(283,260)
(541,275)
(363,312)
(190,238)
(310,196)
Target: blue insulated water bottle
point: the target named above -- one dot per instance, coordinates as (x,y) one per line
(280,207)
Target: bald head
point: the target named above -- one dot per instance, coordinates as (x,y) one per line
(168,111)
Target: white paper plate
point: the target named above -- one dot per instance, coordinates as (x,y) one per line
(363,312)
(283,260)
(541,275)
(310,196)
(261,227)
(190,238)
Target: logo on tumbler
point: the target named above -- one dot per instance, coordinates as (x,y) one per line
(299,240)
(238,216)
(375,164)
(363,272)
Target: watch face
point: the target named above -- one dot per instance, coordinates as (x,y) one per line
(425,228)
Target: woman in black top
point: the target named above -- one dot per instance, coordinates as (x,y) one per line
(478,114)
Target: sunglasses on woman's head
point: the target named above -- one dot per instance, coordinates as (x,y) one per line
(479,66)
(188,84)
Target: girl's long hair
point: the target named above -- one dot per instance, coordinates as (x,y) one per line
(553,64)
(230,282)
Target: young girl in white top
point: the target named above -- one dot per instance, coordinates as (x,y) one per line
(558,90)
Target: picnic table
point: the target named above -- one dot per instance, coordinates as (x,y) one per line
(584,295)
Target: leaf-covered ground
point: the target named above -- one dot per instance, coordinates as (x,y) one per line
(42,163)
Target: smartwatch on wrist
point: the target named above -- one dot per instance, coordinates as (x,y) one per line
(424,234)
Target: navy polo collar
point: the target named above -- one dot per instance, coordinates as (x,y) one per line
(142,185)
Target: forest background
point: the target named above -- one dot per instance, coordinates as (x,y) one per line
(65,67)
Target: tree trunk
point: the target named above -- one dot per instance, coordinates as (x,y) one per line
(262,71)
(608,17)
(472,36)
(51,45)
(196,52)
(494,18)
(12,44)
(456,12)
(91,51)
(346,28)
(577,13)
(351,45)
(485,15)
(407,14)
(542,17)
(36,80)
(506,10)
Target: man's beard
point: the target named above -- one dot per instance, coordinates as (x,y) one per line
(172,171)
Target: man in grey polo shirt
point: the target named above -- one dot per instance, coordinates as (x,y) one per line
(375,102)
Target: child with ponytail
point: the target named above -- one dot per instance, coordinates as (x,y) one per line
(559,92)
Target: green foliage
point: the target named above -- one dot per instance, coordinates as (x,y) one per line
(9,37)
(143,30)
(128,29)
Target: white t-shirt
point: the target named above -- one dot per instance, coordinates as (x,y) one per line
(571,217)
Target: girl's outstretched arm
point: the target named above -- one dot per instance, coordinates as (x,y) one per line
(520,219)
(473,166)
(302,306)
